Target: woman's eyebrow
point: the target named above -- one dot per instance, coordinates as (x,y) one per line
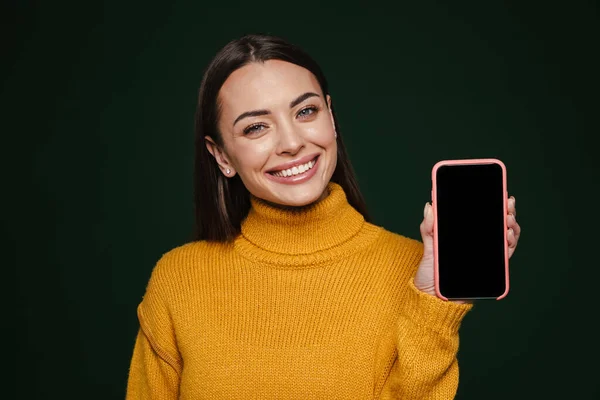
(258,113)
(301,98)
(255,113)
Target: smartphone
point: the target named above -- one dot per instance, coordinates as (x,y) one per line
(469,201)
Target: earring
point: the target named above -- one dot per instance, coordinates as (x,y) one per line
(228,171)
(335,134)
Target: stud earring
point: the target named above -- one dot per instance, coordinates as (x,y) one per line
(228,171)
(335,134)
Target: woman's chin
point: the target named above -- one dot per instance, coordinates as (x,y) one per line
(298,197)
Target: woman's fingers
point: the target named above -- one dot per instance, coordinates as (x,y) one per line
(511,219)
(514,230)
(511,206)
(510,237)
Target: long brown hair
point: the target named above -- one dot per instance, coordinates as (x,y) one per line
(221,203)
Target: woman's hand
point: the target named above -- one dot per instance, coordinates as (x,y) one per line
(424,279)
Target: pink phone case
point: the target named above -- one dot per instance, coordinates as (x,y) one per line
(434,206)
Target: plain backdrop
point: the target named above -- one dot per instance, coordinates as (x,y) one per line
(98,101)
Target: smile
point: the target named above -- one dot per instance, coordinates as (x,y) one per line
(296,170)
(296,174)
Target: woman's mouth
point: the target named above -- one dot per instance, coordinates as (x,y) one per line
(296,174)
(297,170)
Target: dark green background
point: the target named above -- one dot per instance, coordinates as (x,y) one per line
(98,104)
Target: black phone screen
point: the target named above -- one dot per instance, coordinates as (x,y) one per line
(470,229)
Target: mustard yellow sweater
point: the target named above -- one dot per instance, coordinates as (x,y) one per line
(316,304)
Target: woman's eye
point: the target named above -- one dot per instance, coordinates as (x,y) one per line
(254,129)
(305,112)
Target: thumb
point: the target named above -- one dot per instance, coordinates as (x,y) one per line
(427,229)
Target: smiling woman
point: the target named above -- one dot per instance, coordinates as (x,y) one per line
(292,126)
(288,290)
(264,109)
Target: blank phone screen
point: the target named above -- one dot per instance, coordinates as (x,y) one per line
(470,226)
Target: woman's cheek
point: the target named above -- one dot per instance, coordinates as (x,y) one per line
(257,154)
(321,135)
(264,147)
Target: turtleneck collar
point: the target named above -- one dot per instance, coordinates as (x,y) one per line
(285,233)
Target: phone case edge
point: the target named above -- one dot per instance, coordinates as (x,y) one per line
(434,209)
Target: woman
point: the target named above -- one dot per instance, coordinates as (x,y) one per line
(289,291)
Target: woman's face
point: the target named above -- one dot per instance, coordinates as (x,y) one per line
(278,133)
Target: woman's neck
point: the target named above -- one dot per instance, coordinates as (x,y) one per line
(302,230)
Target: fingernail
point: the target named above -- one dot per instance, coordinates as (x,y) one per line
(425,210)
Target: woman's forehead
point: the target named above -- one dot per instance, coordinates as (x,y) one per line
(265,85)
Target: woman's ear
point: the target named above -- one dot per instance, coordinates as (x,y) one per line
(220,157)
(331,115)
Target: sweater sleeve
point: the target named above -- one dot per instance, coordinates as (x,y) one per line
(156,364)
(150,376)
(426,366)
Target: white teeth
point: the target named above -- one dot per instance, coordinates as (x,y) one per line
(295,170)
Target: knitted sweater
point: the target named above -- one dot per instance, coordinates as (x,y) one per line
(310,304)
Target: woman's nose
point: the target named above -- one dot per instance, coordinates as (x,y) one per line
(290,139)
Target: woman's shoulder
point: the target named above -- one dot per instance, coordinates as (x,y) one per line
(395,242)
(199,248)
(397,253)
(179,260)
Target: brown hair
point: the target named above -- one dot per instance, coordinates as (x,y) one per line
(221,203)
